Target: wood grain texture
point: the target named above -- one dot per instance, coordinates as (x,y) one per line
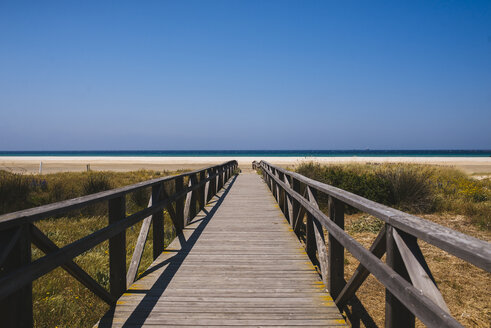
(238,263)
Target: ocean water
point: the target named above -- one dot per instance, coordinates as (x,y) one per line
(256,153)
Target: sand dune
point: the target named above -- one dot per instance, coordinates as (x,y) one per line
(30,164)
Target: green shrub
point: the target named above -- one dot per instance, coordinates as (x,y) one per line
(96,182)
(412,188)
(14,191)
(352,178)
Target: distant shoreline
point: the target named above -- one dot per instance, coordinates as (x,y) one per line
(52,164)
(253,153)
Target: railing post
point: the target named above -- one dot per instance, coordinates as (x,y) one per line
(396,314)
(216,181)
(288,201)
(194,197)
(271,181)
(310,243)
(281,195)
(275,186)
(268,178)
(336,250)
(117,248)
(16,309)
(190,203)
(295,204)
(201,193)
(179,187)
(207,187)
(220,179)
(158,223)
(212,184)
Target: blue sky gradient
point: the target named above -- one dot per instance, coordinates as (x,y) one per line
(94,75)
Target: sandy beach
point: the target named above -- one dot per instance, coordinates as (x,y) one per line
(51,164)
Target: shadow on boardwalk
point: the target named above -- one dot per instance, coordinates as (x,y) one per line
(146,305)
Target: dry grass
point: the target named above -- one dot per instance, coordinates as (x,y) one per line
(464,287)
(58,299)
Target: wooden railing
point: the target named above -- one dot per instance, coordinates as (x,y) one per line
(17,233)
(410,288)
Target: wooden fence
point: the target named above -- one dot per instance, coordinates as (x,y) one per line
(17,233)
(411,290)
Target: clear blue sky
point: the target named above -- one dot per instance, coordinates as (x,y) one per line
(99,75)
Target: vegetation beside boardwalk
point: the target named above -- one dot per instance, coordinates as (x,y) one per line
(440,194)
(58,299)
(413,188)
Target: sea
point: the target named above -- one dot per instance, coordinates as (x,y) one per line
(254,153)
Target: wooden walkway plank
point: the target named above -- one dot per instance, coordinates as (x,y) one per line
(238,263)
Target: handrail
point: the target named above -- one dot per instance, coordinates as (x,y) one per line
(468,248)
(411,290)
(40,212)
(17,232)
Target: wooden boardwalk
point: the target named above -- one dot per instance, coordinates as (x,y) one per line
(237,264)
